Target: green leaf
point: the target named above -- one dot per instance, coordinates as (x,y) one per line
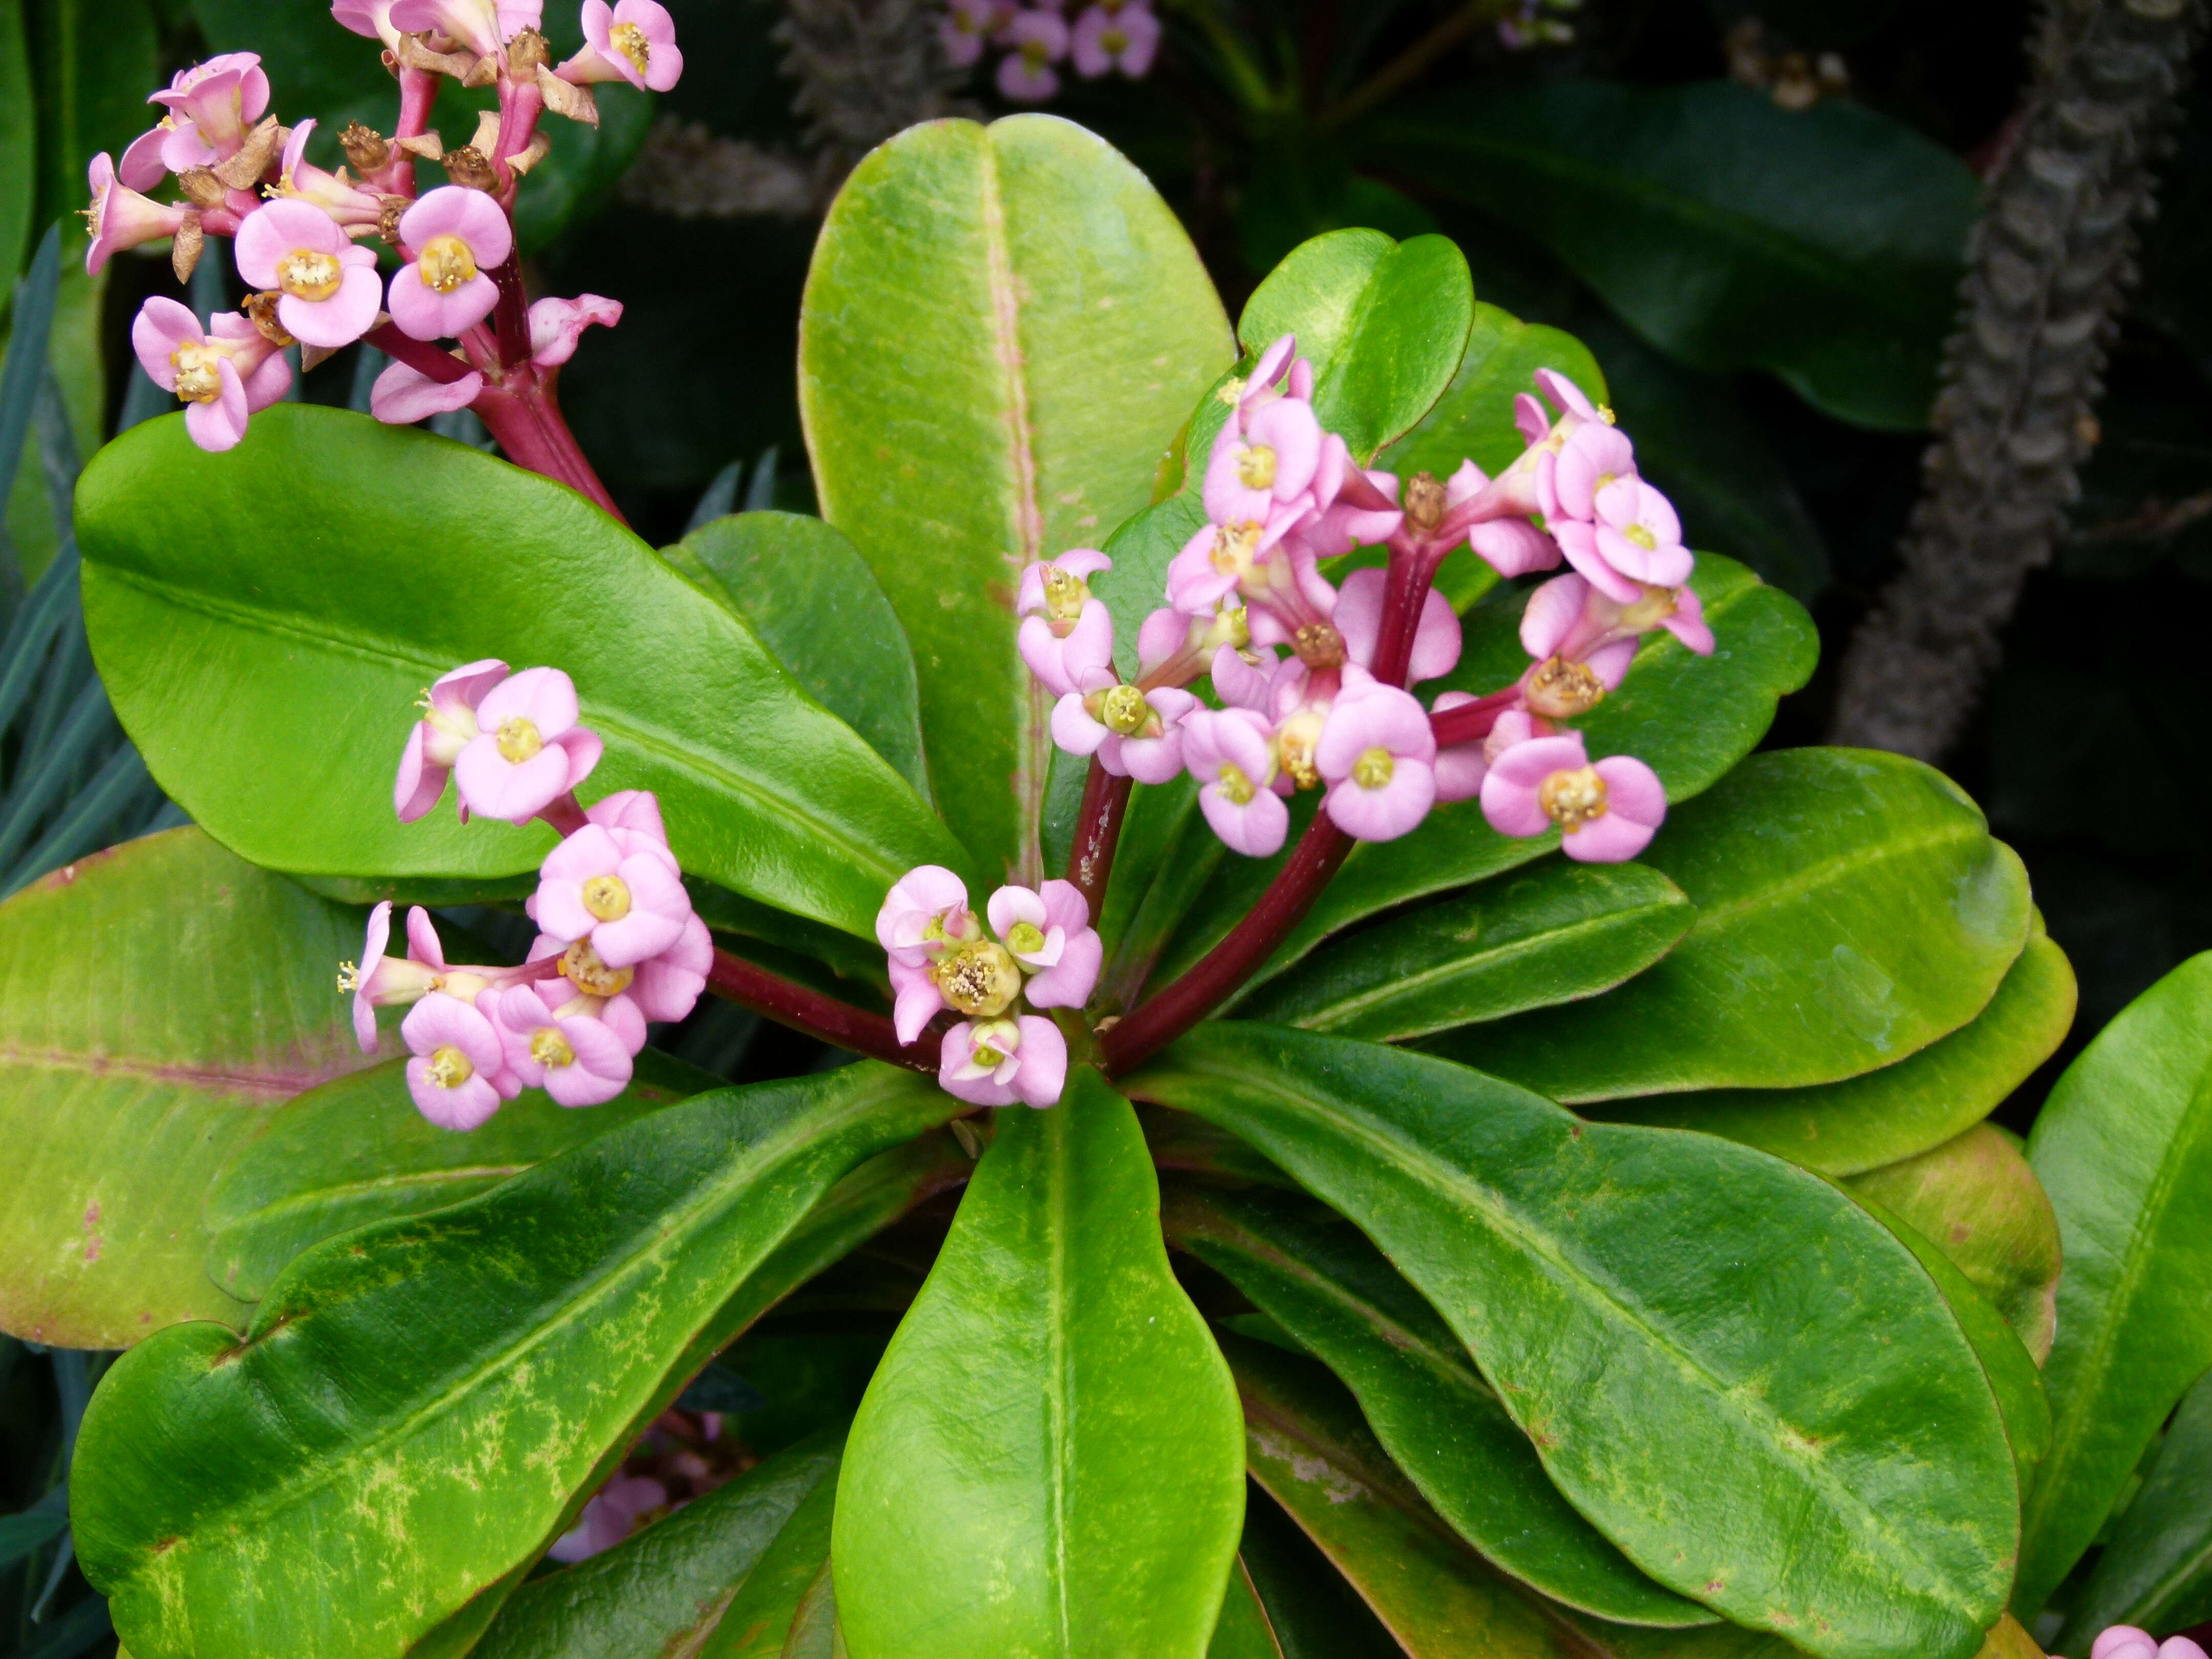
(1342,1300)
(2124,1146)
(19,143)
(1900,1110)
(1385,323)
(1977,1200)
(32,1529)
(156,1003)
(1561,931)
(356,1151)
(1823,244)
(808,593)
(1313,1455)
(1315,1613)
(94,65)
(1142,550)
(814,1631)
(1851,909)
(1244,1630)
(664,1588)
(290,589)
(761,1615)
(1733,1371)
(2155,1572)
(1689,717)
(1003,329)
(416,1402)
(1474,419)
(1047,1461)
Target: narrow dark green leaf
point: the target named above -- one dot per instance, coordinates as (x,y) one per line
(94,65)
(1047,1461)
(286,588)
(1851,909)
(1244,1630)
(1003,329)
(1474,419)
(2155,1572)
(1338,1296)
(19,145)
(1315,1613)
(416,1403)
(2124,1146)
(761,1615)
(814,1631)
(661,1591)
(33,1530)
(1900,1110)
(1832,1465)
(809,594)
(1559,933)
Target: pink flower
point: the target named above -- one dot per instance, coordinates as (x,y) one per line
(631,809)
(211,107)
(1638,532)
(667,986)
(530,750)
(1358,618)
(328,291)
(1065,635)
(1363,512)
(915,1000)
(457,234)
(1459,769)
(458,1061)
(120,217)
(347,203)
(1510,546)
(1134,734)
(1124,37)
(1262,461)
(481,26)
(1233,758)
(632,41)
(434,742)
(925,915)
(555,325)
(618,889)
(966,25)
(220,376)
(381,980)
(369,18)
(996,1062)
(1049,932)
(402,396)
(1377,752)
(612,1516)
(551,1042)
(1593,456)
(1606,812)
(1039,40)
(2126,1642)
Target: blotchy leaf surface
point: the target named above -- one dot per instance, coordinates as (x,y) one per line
(294,589)
(1740,1377)
(2124,1146)
(416,1403)
(2156,1570)
(1900,1110)
(1048,1462)
(1851,909)
(1003,329)
(158,1004)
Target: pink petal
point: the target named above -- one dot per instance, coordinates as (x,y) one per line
(545,697)
(402,396)
(556,326)
(916,999)
(1553,611)
(419,786)
(1009,905)
(494,787)
(1069,981)
(1043,1055)
(1256,828)
(1611,839)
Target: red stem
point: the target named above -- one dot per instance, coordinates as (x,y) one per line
(512,314)
(420,355)
(1217,975)
(1097,832)
(816,1015)
(521,413)
(1471,721)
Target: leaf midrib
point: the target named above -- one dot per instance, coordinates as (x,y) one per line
(342,1191)
(274,1085)
(1806,877)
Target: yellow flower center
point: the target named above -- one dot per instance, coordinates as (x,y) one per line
(1117,43)
(630,40)
(1373,768)
(1643,538)
(1571,799)
(198,378)
(1233,547)
(1123,709)
(1560,689)
(607,897)
(993,1044)
(519,740)
(978,979)
(581,967)
(1255,466)
(1294,747)
(549,1048)
(449,1067)
(446,264)
(306,274)
(1025,938)
(1036,54)
(1063,594)
(1235,788)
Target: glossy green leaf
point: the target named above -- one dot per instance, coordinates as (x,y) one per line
(760,1615)
(1315,1457)
(1338,1296)
(287,589)
(1823,244)
(1740,1377)
(816,1632)
(1315,1613)
(1557,933)
(811,597)
(661,1591)
(1142,549)
(2124,1146)
(1243,1629)
(2155,1572)
(356,1151)
(1384,322)
(1977,1200)
(1900,1110)
(157,1003)
(1474,419)
(1048,1462)
(1689,717)
(1003,329)
(1851,909)
(495,1357)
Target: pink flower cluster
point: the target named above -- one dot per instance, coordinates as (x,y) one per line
(618,943)
(1291,654)
(297,229)
(2126,1642)
(1040,951)
(1107,36)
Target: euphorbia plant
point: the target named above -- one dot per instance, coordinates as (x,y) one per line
(1159,716)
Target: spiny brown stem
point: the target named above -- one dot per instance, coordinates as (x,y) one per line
(1097,832)
(819,1016)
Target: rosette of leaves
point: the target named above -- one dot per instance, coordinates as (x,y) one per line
(1533,1259)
